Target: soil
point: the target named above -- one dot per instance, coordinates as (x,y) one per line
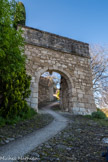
(80,141)
(9,133)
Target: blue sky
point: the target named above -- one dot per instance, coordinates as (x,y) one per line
(84,20)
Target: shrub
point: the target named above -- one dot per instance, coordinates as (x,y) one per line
(14,92)
(2,121)
(29,114)
(99,114)
(14,82)
(22,116)
(58,94)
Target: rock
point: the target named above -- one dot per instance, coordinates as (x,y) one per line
(2,142)
(43,154)
(79,130)
(48,146)
(11,139)
(46,159)
(60,146)
(6,141)
(34,154)
(68,148)
(105,140)
(54,159)
(19,136)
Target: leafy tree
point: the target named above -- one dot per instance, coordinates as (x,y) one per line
(15,89)
(14,82)
(19,14)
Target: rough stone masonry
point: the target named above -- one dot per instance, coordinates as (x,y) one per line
(68,57)
(46,90)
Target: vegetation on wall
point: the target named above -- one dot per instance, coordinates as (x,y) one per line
(14,82)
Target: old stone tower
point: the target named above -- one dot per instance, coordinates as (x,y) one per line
(68,57)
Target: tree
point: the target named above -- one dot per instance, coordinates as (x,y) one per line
(54,77)
(14,81)
(99,65)
(19,14)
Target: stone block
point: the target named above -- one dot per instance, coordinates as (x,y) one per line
(80,95)
(35,89)
(34,106)
(73,90)
(79,91)
(33,78)
(75,104)
(27,52)
(73,99)
(35,95)
(75,110)
(34,100)
(81,105)
(35,85)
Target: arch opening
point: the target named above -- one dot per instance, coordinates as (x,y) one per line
(54,85)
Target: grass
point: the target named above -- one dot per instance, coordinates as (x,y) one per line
(98,117)
(23,116)
(101,122)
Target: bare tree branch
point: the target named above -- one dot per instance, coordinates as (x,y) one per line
(99,66)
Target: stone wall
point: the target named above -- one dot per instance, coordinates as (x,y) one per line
(48,40)
(64,96)
(73,65)
(45,92)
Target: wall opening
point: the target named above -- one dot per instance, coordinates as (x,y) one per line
(53,87)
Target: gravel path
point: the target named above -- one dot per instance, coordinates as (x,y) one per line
(80,141)
(23,128)
(20,147)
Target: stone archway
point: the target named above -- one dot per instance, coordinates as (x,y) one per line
(71,58)
(68,86)
(33,100)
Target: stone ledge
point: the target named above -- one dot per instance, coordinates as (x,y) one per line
(52,41)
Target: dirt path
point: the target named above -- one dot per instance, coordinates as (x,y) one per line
(24,145)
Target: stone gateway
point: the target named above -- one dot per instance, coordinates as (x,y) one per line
(70,58)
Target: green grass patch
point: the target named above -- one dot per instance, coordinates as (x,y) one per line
(98,117)
(23,116)
(102,122)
